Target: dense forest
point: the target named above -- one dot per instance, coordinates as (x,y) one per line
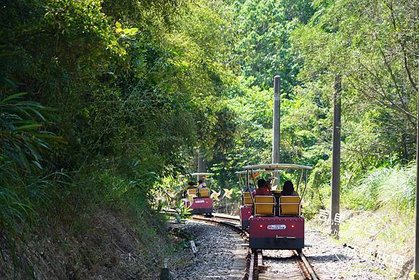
(103,103)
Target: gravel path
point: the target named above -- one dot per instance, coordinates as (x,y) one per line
(221,254)
(333,261)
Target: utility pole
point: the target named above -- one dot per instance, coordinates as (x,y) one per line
(276,126)
(416,268)
(334,209)
(417,192)
(201,163)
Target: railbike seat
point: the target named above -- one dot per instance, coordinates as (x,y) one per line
(247,198)
(203,192)
(192,192)
(290,205)
(264,205)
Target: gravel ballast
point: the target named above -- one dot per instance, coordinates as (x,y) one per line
(333,261)
(220,255)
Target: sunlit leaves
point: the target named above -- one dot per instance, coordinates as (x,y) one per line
(365,43)
(125,31)
(264,48)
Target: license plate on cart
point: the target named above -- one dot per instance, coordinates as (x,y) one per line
(276,227)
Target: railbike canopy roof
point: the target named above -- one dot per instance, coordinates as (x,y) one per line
(196,174)
(201,174)
(245,171)
(278,166)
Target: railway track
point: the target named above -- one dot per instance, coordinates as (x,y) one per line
(297,268)
(232,222)
(256,261)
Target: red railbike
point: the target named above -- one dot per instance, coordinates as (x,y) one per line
(198,198)
(202,205)
(276,222)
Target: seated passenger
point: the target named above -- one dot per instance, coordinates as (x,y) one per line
(249,189)
(191,185)
(263,188)
(201,184)
(288,189)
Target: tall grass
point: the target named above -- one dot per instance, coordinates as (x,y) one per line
(385,187)
(23,141)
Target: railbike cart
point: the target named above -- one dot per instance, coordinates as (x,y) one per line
(198,198)
(276,222)
(247,186)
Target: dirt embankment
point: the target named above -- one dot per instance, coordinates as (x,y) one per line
(103,245)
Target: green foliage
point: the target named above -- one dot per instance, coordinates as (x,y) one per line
(182,211)
(23,144)
(369,45)
(264,48)
(389,188)
(21,136)
(133,88)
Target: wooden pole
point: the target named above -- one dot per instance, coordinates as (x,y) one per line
(276,125)
(201,163)
(416,276)
(416,268)
(335,207)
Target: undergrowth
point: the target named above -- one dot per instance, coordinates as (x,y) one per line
(392,188)
(98,205)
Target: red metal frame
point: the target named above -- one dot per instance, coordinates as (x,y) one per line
(276,232)
(245,213)
(202,205)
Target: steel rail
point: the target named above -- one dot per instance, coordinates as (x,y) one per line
(225,216)
(225,222)
(256,255)
(253,266)
(305,266)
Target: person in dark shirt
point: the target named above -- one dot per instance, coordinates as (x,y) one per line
(288,189)
(263,187)
(249,188)
(201,184)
